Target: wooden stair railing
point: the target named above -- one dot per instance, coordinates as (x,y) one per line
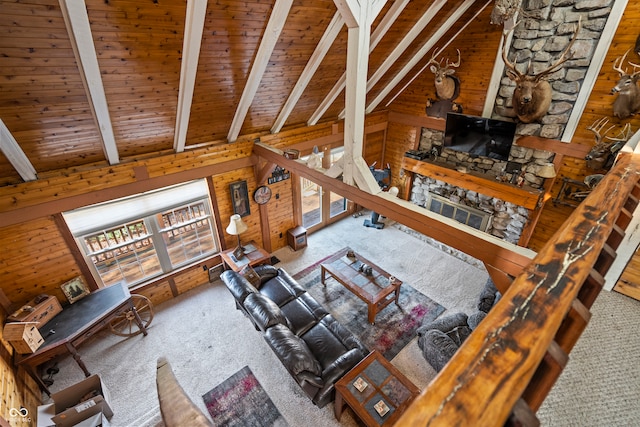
(506,368)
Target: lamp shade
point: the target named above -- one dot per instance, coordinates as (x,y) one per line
(236,225)
(547,170)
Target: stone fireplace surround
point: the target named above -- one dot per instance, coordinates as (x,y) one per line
(507,219)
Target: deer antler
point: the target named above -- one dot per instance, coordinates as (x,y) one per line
(563,56)
(453,64)
(617,66)
(597,126)
(433,59)
(515,74)
(623,135)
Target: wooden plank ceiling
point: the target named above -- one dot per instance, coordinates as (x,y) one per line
(98,81)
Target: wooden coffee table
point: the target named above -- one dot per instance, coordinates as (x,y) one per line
(375,390)
(376,289)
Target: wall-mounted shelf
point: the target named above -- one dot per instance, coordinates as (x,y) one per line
(522,196)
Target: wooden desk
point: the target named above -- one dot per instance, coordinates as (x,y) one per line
(255,256)
(384,383)
(76,324)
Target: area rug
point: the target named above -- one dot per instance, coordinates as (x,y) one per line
(240,401)
(395,326)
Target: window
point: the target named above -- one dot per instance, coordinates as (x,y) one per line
(137,238)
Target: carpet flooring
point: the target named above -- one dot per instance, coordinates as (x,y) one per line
(240,401)
(207,340)
(395,326)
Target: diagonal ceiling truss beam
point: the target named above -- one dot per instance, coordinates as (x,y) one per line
(420,54)
(394,11)
(77,22)
(318,55)
(406,41)
(267,44)
(194,26)
(447,43)
(10,148)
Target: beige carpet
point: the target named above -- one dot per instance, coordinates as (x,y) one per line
(207,340)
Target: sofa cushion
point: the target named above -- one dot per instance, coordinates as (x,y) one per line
(237,285)
(281,289)
(266,272)
(303,312)
(264,312)
(292,351)
(328,340)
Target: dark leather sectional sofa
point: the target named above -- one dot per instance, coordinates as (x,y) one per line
(315,348)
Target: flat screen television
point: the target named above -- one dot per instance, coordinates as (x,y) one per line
(479,136)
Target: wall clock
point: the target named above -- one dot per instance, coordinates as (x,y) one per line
(262,194)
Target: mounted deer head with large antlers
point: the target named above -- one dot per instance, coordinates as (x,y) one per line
(627,102)
(603,153)
(447,86)
(532,95)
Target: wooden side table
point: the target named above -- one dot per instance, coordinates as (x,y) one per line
(254,255)
(376,390)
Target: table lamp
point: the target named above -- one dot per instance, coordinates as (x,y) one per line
(235,228)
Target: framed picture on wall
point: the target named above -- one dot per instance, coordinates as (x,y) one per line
(240,198)
(75,289)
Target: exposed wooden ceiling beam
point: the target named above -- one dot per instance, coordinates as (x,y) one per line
(194,26)
(267,44)
(406,41)
(318,55)
(77,22)
(420,54)
(10,148)
(382,28)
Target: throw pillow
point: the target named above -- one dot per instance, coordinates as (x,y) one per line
(252,277)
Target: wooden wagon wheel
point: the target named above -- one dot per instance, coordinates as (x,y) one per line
(125,323)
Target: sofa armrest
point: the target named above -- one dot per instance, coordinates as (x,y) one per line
(264,312)
(239,287)
(292,351)
(314,380)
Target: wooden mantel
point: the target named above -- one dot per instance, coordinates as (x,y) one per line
(522,196)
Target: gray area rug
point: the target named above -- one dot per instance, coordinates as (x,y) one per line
(395,326)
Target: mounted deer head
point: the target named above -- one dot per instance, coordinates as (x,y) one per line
(446,85)
(627,102)
(532,95)
(603,153)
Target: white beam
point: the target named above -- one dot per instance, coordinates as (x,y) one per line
(79,29)
(406,41)
(355,168)
(420,54)
(318,55)
(267,44)
(194,26)
(394,11)
(595,66)
(448,42)
(9,146)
